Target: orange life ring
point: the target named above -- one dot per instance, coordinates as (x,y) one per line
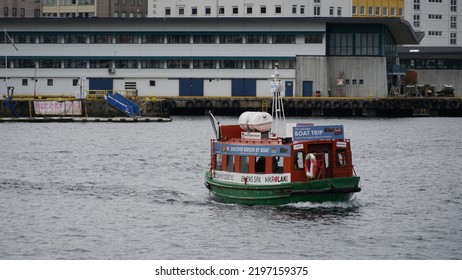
(311,166)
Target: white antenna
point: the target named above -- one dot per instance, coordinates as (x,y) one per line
(6,59)
(277,109)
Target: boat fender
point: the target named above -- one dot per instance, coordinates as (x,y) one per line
(311,166)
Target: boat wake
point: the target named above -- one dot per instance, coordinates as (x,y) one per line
(351,204)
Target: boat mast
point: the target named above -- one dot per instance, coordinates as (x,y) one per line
(277,108)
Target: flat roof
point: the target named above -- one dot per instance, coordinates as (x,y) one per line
(401,30)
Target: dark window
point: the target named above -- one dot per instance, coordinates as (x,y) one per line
(152,83)
(260,164)
(230,163)
(25,82)
(50,82)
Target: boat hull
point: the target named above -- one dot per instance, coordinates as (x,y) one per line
(332,189)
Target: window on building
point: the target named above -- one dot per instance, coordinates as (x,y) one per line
(453,5)
(25,82)
(416,5)
(294,9)
(385,11)
(5,11)
(208,10)
(400,12)
(194,11)
(453,38)
(263,10)
(392,11)
(331,11)
(204,39)
(354,10)
(256,39)
(249,10)
(49,82)
(278,9)
(370,11)
(416,21)
(339,11)
(152,83)
(435,16)
(230,39)
(362,10)
(221,10)
(317,10)
(453,22)
(204,64)
(283,39)
(235,10)
(302,9)
(377,11)
(231,64)
(181,10)
(313,39)
(178,39)
(168,11)
(178,64)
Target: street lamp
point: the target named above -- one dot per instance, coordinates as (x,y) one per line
(35,78)
(6,60)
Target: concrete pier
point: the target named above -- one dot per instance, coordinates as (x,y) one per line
(163,107)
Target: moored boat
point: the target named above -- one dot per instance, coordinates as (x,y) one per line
(261,162)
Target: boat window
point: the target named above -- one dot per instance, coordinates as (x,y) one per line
(326,158)
(218,162)
(299,159)
(278,164)
(244,164)
(260,164)
(341,158)
(230,163)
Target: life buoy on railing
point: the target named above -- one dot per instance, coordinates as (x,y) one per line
(311,166)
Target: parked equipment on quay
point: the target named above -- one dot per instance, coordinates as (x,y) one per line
(264,161)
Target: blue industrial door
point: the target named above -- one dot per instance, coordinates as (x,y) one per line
(191,87)
(307,88)
(244,87)
(289,89)
(100,84)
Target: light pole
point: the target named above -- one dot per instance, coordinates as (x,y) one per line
(6,60)
(35,78)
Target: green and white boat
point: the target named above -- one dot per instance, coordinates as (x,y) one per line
(264,161)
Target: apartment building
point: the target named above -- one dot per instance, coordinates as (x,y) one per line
(20,9)
(244,8)
(377,8)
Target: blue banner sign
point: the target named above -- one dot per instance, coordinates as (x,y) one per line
(252,150)
(303,133)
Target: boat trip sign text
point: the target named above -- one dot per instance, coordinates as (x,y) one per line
(303,133)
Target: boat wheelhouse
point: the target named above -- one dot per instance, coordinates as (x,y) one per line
(252,165)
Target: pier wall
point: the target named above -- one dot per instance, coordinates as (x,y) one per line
(362,76)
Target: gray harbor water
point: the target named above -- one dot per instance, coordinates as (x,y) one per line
(135,191)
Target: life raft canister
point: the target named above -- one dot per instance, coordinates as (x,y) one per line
(311,166)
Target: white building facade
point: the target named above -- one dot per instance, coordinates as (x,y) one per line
(440,20)
(249,8)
